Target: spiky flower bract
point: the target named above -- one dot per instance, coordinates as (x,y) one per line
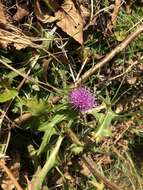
(82,99)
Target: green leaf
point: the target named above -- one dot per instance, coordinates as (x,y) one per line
(120,35)
(104,122)
(11,75)
(49,38)
(103,129)
(7,95)
(97,185)
(36,106)
(46,138)
(54,121)
(76,149)
(99,116)
(5,59)
(107,100)
(37,183)
(49,129)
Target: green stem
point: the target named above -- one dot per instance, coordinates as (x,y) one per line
(48,4)
(37,184)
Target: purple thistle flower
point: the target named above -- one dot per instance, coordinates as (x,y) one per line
(82,99)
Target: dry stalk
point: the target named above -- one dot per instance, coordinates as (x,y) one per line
(115,11)
(90,163)
(109,56)
(92,167)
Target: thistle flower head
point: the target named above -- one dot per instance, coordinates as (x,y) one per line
(82,99)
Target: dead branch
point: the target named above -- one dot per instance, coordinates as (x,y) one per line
(21,119)
(92,167)
(90,163)
(110,55)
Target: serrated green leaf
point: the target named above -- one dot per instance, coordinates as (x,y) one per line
(49,129)
(36,106)
(7,95)
(54,121)
(103,129)
(46,138)
(99,116)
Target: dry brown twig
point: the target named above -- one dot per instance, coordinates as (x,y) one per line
(93,21)
(127,70)
(90,163)
(109,56)
(10,175)
(92,167)
(115,11)
(114,15)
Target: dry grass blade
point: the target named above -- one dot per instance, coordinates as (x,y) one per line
(19,40)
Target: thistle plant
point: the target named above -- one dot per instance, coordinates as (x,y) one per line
(82,99)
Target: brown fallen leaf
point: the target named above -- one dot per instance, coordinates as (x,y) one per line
(22,11)
(132,80)
(67,18)
(2,15)
(45,18)
(85,13)
(70,20)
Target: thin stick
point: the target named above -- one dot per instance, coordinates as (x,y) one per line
(114,14)
(26,77)
(105,9)
(126,71)
(91,166)
(110,55)
(19,120)
(10,175)
(92,7)
(90,163)
(81,69)
(115,11)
